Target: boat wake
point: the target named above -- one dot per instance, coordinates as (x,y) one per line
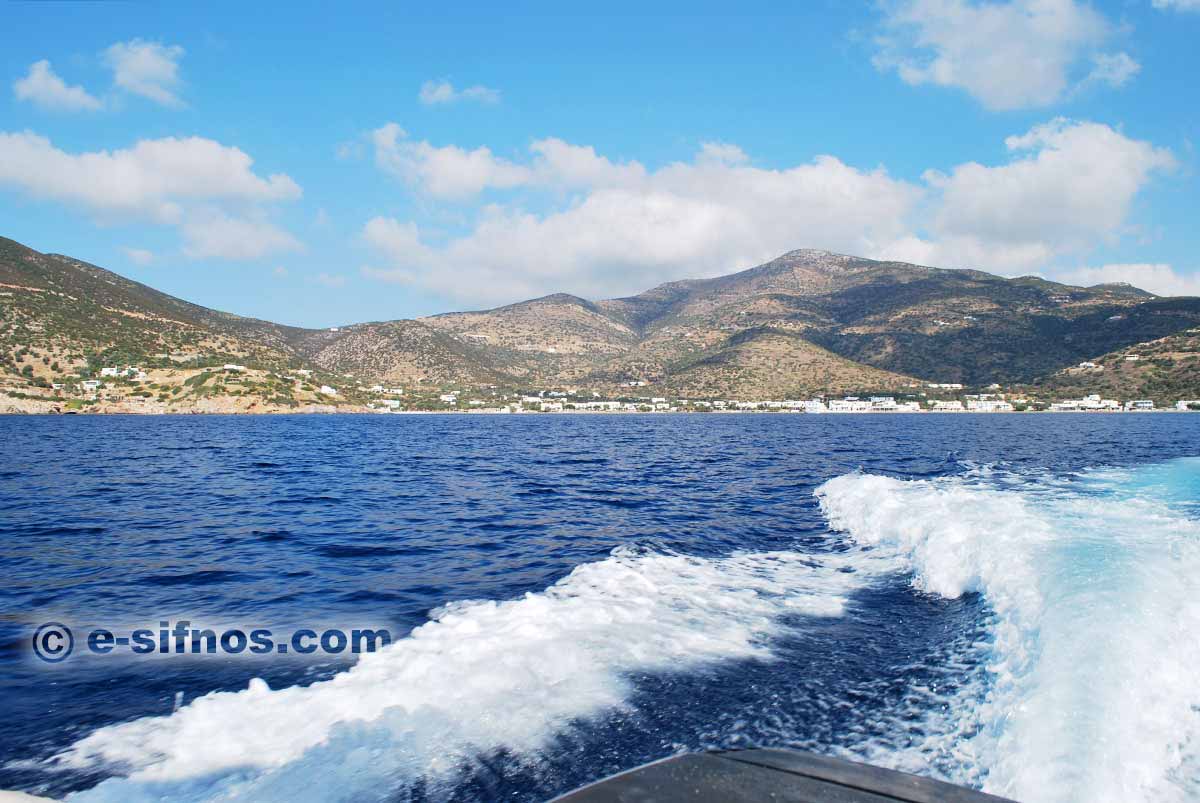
(479,677)
(1089,690)
(1083,688)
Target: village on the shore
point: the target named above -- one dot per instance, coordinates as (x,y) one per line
(238,388)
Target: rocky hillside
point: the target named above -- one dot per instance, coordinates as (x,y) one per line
(1166,369)
(807,322)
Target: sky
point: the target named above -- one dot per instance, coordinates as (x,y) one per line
(319,166)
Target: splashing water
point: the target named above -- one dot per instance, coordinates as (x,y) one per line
(1091,690)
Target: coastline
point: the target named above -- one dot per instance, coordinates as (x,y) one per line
(23,407)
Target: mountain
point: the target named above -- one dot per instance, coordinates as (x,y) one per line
(805,323)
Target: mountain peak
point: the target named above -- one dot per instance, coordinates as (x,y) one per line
(814,253)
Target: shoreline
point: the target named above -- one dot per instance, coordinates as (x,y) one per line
(524,413)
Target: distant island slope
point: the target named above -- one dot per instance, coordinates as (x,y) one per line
(76,337)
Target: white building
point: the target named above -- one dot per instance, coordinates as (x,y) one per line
(849,405)
(448,398)
(128,372)
(328,391)
(1091,403)
(989,406)
(947,406)
(1187,404)
(1094,402)
(231,366)
(1139,404)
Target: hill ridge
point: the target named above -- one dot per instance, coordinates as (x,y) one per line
(881,324)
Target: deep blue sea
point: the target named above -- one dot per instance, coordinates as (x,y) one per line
(1010,601)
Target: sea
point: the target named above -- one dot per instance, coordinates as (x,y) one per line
(1008,602)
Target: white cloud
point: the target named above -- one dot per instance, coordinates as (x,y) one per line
(1067,187)
(1178,5)
(42,87)
(1114,69)
(211,234)
(1008,55)
(149,180)
(1158,278)
(449,172)
(439,92)
(561,164)
(634,228)
(149,69)
(722,153)
(207,189)
(139,256)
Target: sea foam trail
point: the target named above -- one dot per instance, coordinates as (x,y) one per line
(1092,690)
(479,677)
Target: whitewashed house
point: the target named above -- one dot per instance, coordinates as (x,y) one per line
(849,405)
(989,406)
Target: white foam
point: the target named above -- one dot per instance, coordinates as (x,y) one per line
(479,676)
(1092,691)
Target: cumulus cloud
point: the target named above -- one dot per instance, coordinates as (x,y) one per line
(448,172)
(620,227)
(148,69)
(1160,279)
(42,87)
(149,180)
(440,92)
(633,227)
(207,189)
(1008,55)
(1069,186)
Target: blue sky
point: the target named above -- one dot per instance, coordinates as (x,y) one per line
(317,168)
